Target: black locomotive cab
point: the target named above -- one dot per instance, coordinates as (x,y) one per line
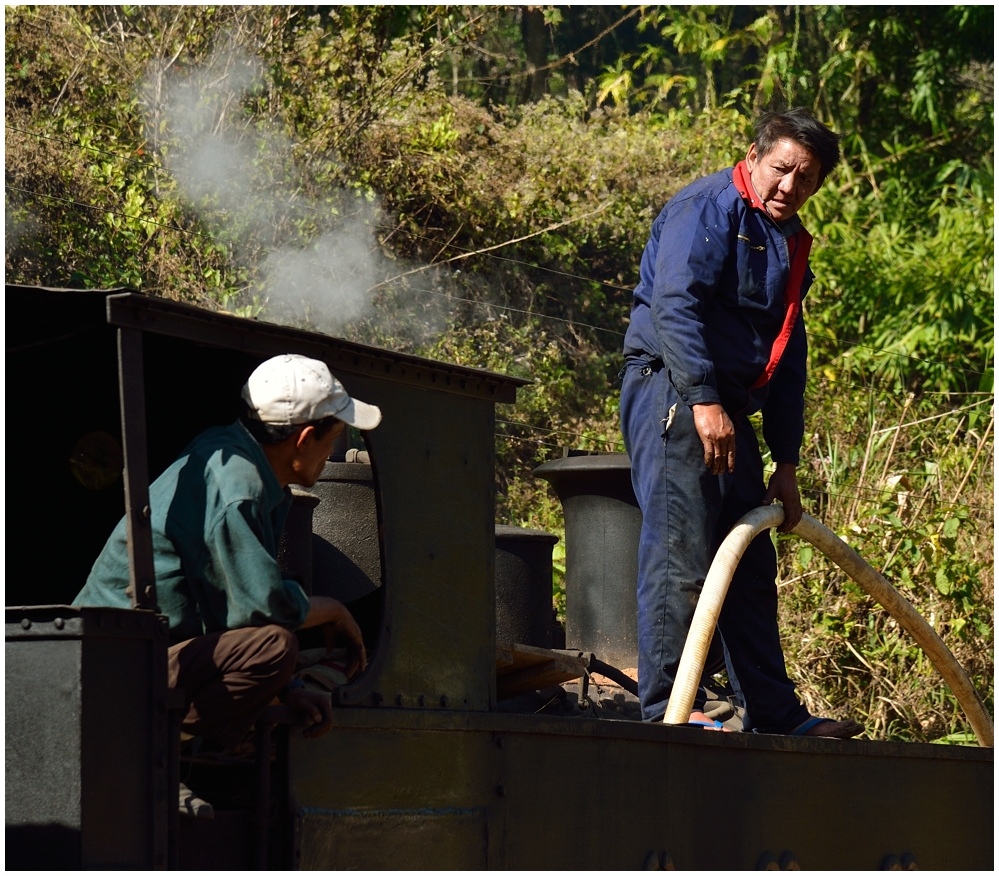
(433,760)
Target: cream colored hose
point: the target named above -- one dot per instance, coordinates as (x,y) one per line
(720,576)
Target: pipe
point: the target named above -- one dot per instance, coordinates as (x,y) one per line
(598,667)
(720,576)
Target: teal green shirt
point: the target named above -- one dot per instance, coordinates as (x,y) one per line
(217,516)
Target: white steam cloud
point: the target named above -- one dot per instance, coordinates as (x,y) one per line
(243,181)
(329,278)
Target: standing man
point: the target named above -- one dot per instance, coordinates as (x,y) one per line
(716,334)
(217,516)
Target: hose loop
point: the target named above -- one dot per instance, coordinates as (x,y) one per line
(720,576)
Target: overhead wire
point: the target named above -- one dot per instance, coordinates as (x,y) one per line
(842,342)
(464,252)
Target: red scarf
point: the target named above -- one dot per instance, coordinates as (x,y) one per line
(799,245)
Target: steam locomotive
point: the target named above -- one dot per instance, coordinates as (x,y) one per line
(459,747)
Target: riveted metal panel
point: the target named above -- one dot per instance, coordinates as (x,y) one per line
(577,793)
(831,804)
(417,777)
(432,459)
(85,738)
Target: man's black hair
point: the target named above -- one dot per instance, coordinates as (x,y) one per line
(802,127)
(269,433)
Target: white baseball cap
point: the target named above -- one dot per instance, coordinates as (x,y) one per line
(289,390)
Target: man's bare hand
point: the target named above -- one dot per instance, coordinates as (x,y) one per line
(347,629)
(717,434)
(337,622)
(783,487)
(316,708)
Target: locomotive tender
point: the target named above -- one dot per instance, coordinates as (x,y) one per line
(426,766)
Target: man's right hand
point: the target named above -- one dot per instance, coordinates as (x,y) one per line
(717,434)
(315,707)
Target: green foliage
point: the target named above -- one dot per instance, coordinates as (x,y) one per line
(87,204)
(915,500)
(903,73)
(906,288)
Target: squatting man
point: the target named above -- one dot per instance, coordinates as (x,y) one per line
(217,516)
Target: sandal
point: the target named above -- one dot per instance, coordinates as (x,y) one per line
(834,730)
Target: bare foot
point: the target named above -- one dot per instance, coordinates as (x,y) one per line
(709,723)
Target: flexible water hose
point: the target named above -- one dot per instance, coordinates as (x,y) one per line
(720,576)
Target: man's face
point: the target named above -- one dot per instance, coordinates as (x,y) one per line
(784,178)
(313,453)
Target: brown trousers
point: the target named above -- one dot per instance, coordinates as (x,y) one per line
(229,678)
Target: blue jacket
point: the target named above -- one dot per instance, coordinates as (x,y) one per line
(710,302)
(217,517)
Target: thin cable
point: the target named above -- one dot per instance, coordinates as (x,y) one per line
(467,253)
(488,249)
(108,210)
(144,163)
(417,236)
(509,309)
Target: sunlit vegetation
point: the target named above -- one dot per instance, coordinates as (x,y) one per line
(476,184)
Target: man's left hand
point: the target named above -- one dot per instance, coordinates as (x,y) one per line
(346,627)
(783,487)
(315,706)
(336,622)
